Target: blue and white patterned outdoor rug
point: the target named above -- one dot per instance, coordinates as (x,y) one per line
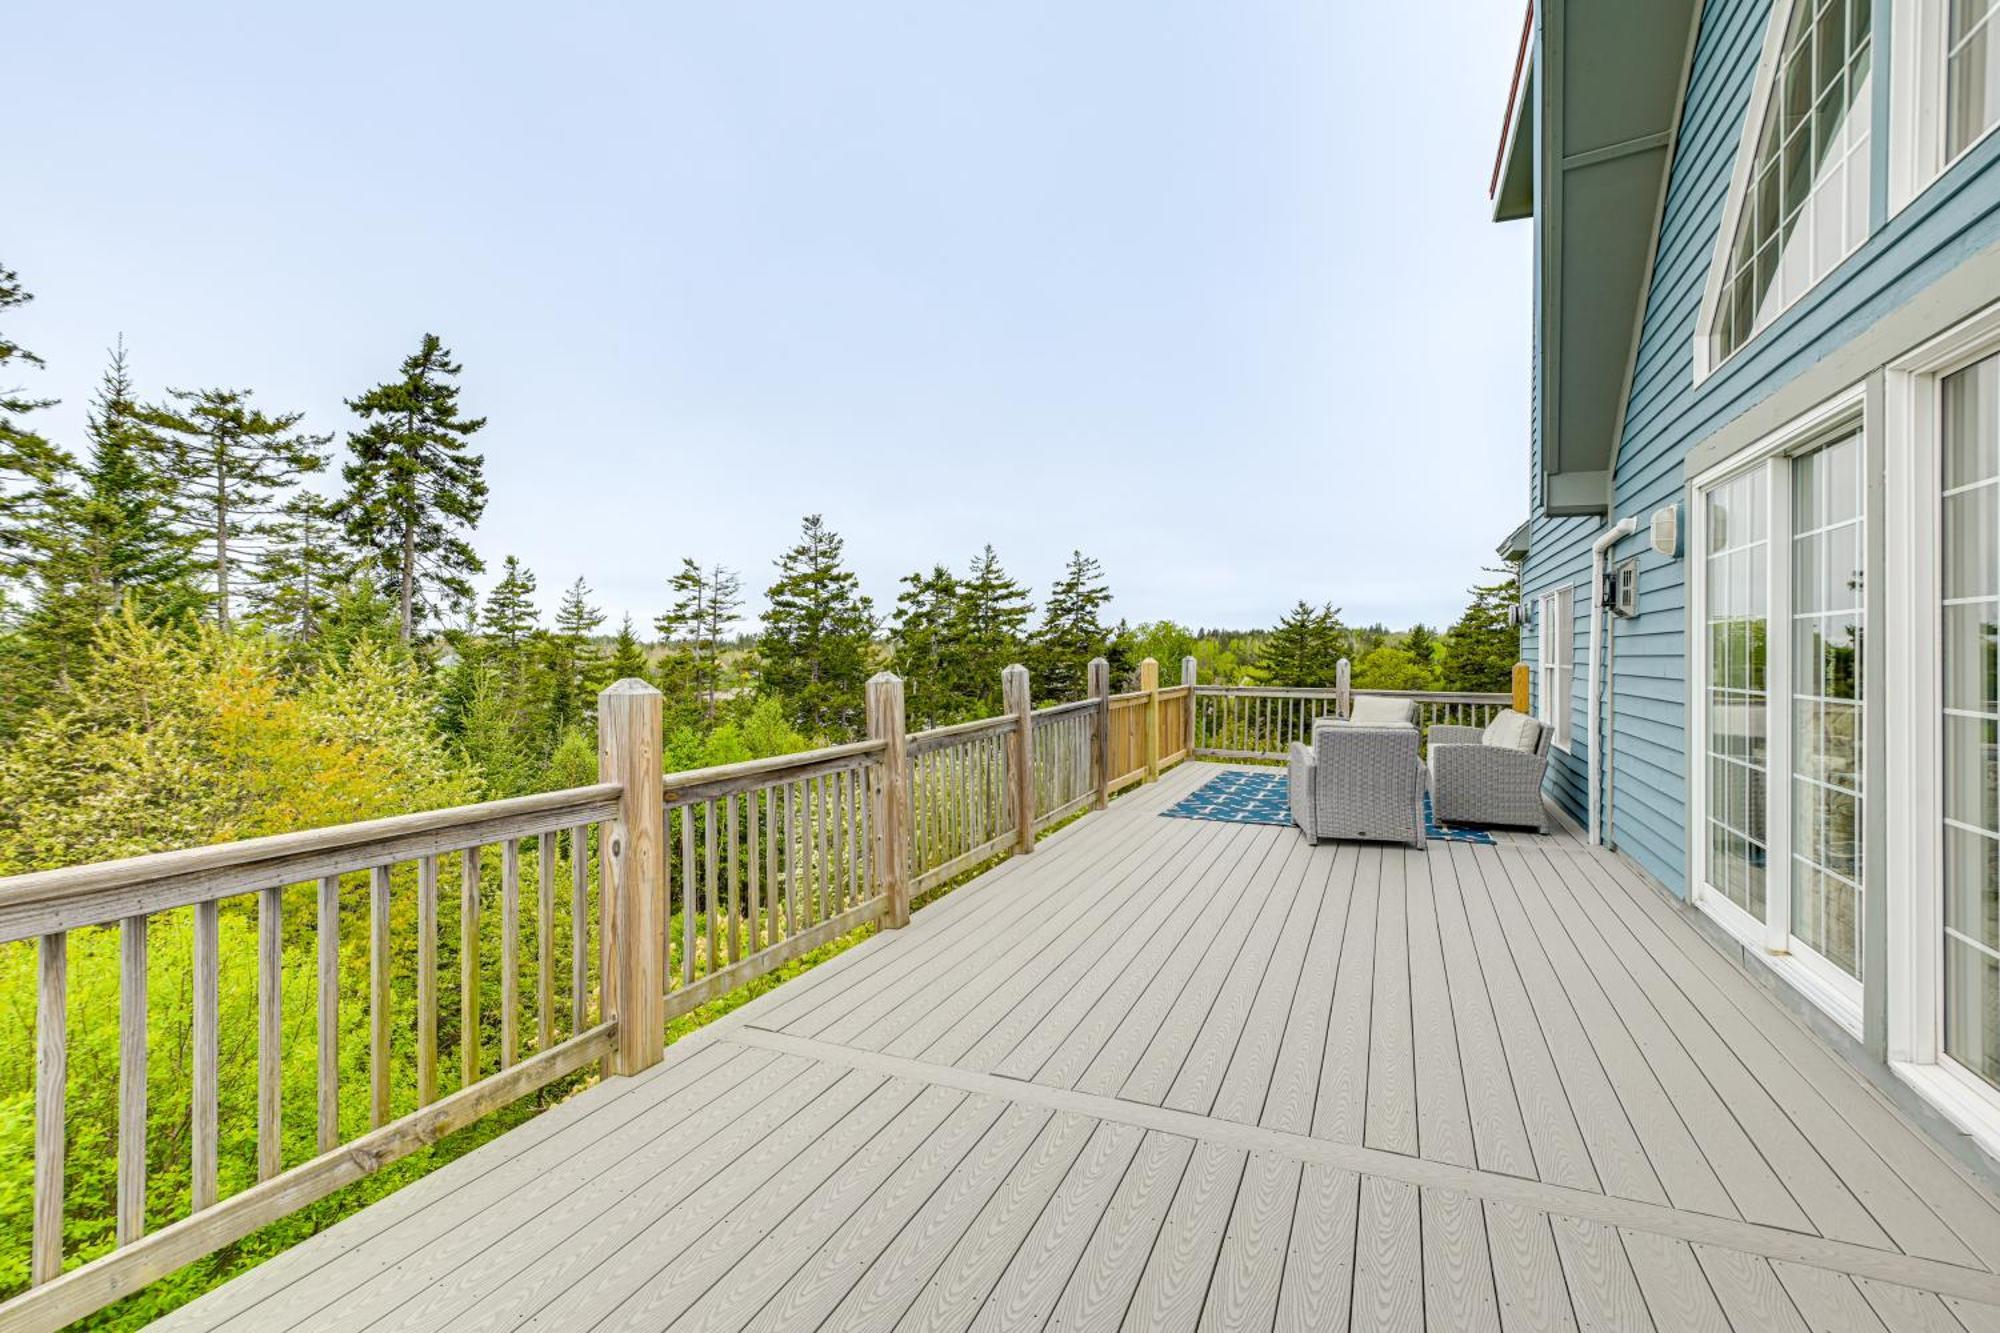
(1265,798)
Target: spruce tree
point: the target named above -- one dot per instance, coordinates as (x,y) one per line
(818,639)
(573,659)
(704,607)
(1480,650)
(227,463)
(414,486)
(627,660)
(303,569)
(29,465)
(510,618)
(991,616)
(1072,630)
(1303,649)
(1421,643)
(925,650)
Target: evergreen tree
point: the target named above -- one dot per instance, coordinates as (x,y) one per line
(29,464)
(1072,630)
(414,486)
(573,659)
(1421,643)
(704,607)
(510,619)
(303,569)
(227,462)
(1304,648)
(925,647)
(627,660)
(1480,650)
(987,629)
(817,643)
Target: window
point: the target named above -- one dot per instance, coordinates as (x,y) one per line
(1944,88)
(1555,662)
(1971,75)
(1780,591)
(1799,205)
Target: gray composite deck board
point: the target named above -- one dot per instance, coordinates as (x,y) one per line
(1178,1074)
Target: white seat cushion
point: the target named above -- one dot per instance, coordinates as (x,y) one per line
(1512,731)
(1370,710)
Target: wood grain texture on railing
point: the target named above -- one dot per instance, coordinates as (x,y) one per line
(960,811)
(1063,737)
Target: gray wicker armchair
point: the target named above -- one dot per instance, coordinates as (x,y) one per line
(1491,775)
(1359,782)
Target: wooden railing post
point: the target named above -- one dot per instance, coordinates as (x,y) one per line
(889,798)
(1188,673)
(1343,700)
(1520,683)
(1149,681)
(1019,704)
(1100,752)
(633,888)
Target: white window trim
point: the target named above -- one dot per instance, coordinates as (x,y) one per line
(1916,101)
(1911,635)
(1706,360)
(1557,705)
(1837,994)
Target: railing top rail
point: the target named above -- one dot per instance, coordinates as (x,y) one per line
(919,742)
(1130,697)
(1329,692)
(702,784)
(1057,710)
(105,891)
(1443,696)
(1174,691)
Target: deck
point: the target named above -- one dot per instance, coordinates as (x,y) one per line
(1178,1074)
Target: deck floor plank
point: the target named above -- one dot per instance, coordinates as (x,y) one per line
(1251,1267)
(1458,1271)
(1444,1116)
(1101,1286)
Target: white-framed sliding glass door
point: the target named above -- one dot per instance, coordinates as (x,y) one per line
(1779,794)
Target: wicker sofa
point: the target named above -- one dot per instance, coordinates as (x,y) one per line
(1490,775)
(1359,780)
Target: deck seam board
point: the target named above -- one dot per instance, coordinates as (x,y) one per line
(1749,1237)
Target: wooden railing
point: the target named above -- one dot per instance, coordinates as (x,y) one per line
(620,906)
(1261,722)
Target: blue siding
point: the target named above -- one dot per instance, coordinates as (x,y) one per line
(1667,415)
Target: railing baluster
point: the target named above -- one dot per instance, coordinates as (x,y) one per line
(753,810)
(545,941)
(468,967)
(510,951)
(131,1079)
(206,1016)
(51,1104)
(328,1109)
(735,878)
(270,1030)
(690,887)
(708,864)
(427,980)
(579,929)
(378,997)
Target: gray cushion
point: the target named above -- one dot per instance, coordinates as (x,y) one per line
(1512,731)
(1369,710)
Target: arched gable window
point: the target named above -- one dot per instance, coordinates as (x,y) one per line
(1799,201)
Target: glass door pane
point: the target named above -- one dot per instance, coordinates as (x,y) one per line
(1737,627)
(1827,627)
(1970,556)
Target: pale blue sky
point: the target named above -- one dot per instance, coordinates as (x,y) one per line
(1206,289)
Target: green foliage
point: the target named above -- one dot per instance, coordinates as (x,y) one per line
(1304,648)
(1390,667)
(988,628)
(1480,649)
(302,571)
(1162,640)
(28,462)
(627,659)
(924,650)
(225,461)
(571,661)
(818,642)
(704,607)
(414,486)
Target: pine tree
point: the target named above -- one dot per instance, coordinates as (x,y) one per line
(925,648)
(992,613)
(29,464)
(573,659)
(227,462)
(627,660)
(1421,643)
(818,637)
(1479,651)
(1072,630)
(1304,648)
(705,605)
(303,569)
(510,618)
(414,486)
